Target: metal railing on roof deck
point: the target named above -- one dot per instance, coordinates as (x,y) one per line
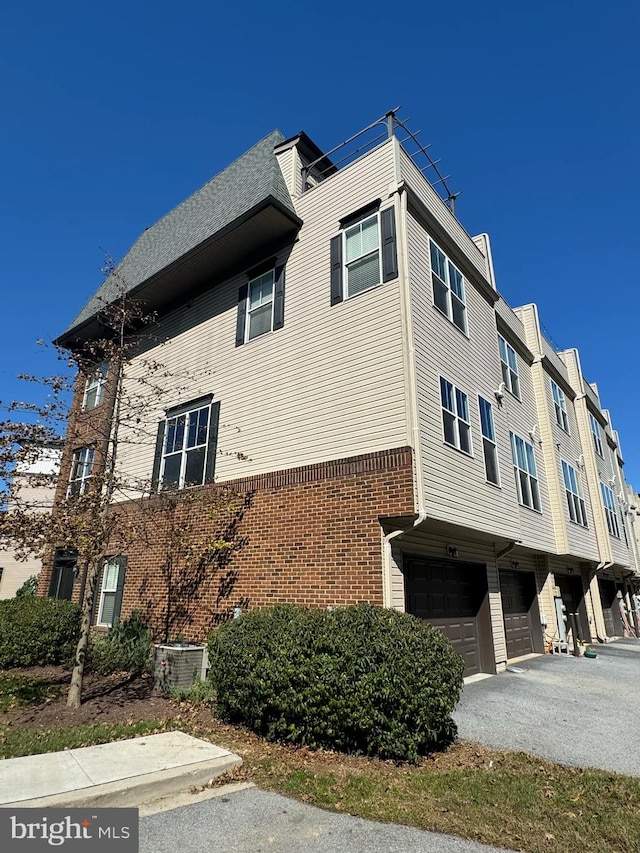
(366,139)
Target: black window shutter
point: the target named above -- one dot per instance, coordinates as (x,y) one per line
(117,605)
(278,299)
(157,459)
(336,270)
(389,249)
(243,294)
(212,445)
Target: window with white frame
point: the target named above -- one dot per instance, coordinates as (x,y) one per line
(560,406)
(455,416)
(81,467)
(260,305)
(489,446)
(526,473)
(94,388)
(111,592)
(448,288)
(509,365)
(362,269)
(575,501)
(184,454)
(595,434)
(609,503)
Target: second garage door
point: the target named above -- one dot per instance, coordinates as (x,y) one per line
(518,591)
(449,595)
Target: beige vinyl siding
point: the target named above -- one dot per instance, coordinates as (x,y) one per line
(329,384)
(454,483)
(545,583)
(558,444)
(410,173)
(289,163)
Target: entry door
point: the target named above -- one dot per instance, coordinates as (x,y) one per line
(62,575)
(449,595)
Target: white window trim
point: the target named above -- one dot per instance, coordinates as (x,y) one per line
(186,413)
(532,480)
(491,441)
(346,264)
(96,381)
(596,436)
(249,312)
(459,421)
(509,372)
(560,406)
(609,504)
(81,470)
(450,295)
(575,502)
(103,589)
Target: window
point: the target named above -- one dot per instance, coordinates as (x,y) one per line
(260,302)
(609,503)
(95,387)
(560,405)
(595,432)
(524,466)
(448,288)
(489,447)
(455,416)
(81,466)
(577,510)
(186,446)
(111,591)
(509,365)
(364,254)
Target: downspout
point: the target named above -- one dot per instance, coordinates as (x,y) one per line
(410,381)
(506,551)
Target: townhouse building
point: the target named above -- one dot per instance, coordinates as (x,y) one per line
(402,435)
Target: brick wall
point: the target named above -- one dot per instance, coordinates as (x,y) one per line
(308,535)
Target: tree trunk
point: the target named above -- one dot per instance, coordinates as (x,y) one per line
(74,696)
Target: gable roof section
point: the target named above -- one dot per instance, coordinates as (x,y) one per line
(250,183)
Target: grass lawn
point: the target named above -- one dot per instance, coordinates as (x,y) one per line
(506,799)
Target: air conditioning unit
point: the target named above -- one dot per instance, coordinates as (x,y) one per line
(179,664)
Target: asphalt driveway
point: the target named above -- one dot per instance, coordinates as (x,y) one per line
(571,710)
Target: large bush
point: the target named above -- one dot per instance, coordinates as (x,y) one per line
(37,631)
(125,648)
(358,679)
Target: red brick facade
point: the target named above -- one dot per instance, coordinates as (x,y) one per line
(308,535)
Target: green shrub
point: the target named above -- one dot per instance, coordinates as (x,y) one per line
(358,679)
(36,631)
(125,648)
(29,587)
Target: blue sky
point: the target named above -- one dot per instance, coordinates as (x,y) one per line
(112,113)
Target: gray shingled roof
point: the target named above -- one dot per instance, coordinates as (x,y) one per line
(250,179)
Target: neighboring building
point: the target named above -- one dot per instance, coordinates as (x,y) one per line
(405,437)
(36,480)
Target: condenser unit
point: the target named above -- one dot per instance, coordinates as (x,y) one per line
(179,664)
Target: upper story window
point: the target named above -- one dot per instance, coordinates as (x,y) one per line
(575,502)
(609,503)
(94,387)
(489,446)
(81,467)
(260,303)
(448,288)
(560,406)
(509,365)
(526,473)
(455,416)
(186,446)
(595,434)
(364,254)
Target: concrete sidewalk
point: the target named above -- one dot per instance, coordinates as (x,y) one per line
(124,773)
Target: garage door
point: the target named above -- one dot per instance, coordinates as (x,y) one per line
(448,595)
(518,591)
